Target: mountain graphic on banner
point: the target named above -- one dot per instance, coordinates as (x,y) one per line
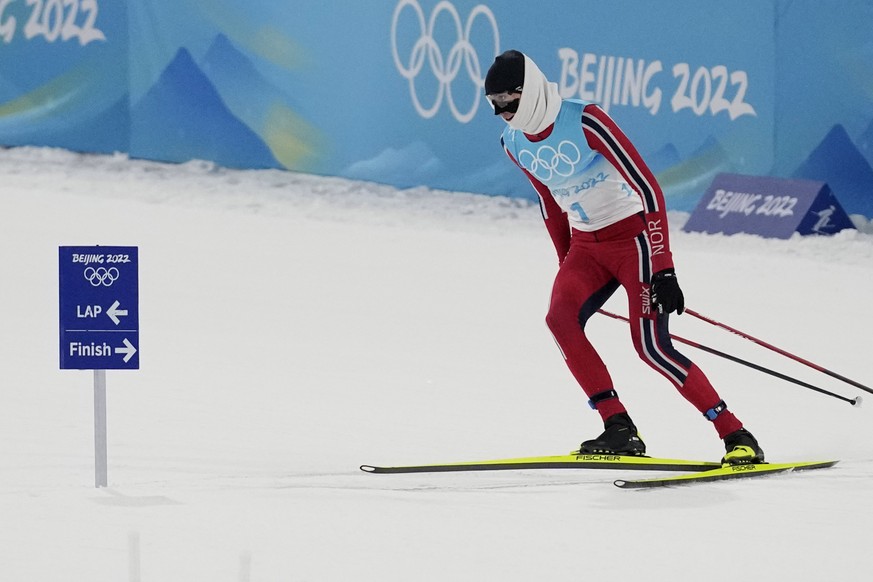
(261,105)
(230,70)
(666,157)
(683,182)
(865,144)
(182,117)
(839,163)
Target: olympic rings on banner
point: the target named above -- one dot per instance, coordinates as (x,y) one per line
(447,68)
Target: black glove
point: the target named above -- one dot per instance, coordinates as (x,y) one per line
(667,297)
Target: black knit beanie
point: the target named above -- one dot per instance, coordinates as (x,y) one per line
(506,74)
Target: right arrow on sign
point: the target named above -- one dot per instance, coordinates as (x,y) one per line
(128,350)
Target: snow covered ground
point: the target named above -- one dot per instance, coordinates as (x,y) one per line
(295,327)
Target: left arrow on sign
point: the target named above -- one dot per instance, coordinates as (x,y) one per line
(113,312)
(128,350)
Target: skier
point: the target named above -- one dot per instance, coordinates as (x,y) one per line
(606,216)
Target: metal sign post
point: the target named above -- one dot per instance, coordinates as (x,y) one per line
(99,323)
(101,469)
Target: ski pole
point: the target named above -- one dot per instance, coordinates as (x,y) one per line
(779,351)
(853,401)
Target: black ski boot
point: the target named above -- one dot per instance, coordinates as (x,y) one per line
(742,449)
(619,438)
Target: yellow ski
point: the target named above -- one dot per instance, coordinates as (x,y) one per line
(572,461)
(722,473)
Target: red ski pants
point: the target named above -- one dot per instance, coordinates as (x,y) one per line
(596,265)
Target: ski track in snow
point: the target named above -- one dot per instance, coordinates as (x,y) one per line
(295,326)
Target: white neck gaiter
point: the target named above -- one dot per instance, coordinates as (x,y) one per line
(540,101)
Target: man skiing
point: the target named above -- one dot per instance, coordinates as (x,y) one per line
(606,216)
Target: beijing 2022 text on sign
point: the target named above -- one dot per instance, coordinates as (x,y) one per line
(769,207)
(99,308)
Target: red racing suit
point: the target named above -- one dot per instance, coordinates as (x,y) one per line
(579,166)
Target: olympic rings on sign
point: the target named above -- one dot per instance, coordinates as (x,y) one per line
(101,276)
(446,70)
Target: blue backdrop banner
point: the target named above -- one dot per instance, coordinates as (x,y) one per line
(391,90)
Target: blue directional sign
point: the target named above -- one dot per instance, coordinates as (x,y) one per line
(99,308)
